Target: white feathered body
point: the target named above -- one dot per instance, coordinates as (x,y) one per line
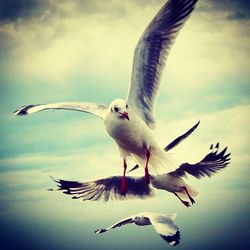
(173,184)
(134,138)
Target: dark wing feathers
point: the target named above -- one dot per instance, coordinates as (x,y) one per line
(106,189)
(122,223)
(118,224)
(110,188)
(172,239)
(208,166)
(179,139)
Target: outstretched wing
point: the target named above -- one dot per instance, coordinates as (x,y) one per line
(105,189)
(87,107)
(150,55)
(118,224)
(165,226)
(209,165)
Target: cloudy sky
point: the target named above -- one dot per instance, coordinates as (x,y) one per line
(53,51)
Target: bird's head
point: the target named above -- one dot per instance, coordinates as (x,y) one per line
(141,220)
(137,218)
(119,108)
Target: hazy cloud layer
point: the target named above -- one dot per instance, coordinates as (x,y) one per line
(75,37)
(13,11)
(82,50)
(238,9)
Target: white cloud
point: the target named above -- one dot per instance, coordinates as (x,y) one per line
(229,126)
(78,43)
(68,43)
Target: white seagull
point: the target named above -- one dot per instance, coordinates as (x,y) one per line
(163,225)
(109,188)
(129,122)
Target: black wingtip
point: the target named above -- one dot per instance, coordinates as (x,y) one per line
(53,178)
(20,112)
(100,231)
(174,240)
(134,168)
(181,137)
(23,110)
(197,124)
(57,181)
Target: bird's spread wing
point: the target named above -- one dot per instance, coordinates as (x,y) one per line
(87,107)
(165,226)
(179,139)
(110,188)
(118,224)
(209,165)
(150,55)
(105,189)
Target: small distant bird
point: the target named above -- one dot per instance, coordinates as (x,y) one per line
(173,182)
(129,122)
(163,225)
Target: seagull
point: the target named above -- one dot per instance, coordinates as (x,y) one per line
(163,225)
(130,121)
(173,182)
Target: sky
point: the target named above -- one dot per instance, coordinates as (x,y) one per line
(54,51)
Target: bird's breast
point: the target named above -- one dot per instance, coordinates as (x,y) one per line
(130,136)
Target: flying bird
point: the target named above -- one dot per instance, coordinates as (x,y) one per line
(129,122)
(163,225)
(173,182)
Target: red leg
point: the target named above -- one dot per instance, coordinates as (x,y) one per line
(123,180)
(147,177)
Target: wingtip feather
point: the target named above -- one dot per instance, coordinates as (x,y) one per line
(20,112)
(173,240)
(99,231)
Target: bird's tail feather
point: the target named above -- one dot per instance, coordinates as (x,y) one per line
(161,162)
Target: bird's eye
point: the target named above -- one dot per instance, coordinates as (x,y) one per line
(116,109)
(126,106)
